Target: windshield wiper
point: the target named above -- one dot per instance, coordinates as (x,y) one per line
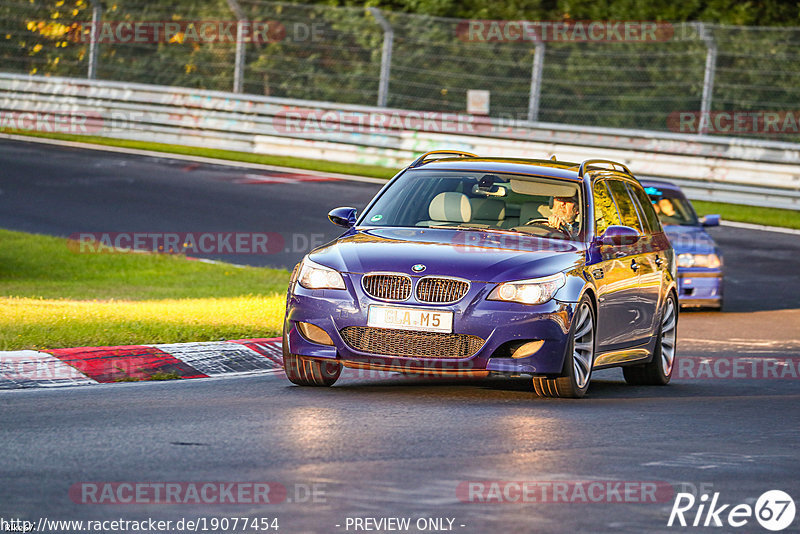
(478,229)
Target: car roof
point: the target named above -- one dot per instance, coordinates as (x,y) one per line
(549,168)
(538,167)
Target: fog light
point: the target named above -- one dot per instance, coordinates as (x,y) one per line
(528,349)
(314,333)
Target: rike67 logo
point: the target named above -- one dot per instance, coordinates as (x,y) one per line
(774,510)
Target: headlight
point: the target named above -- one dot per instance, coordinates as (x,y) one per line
(711,261)
(533,291)
(315,276)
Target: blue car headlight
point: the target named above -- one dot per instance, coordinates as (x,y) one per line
(710,261)
(315,276)
(531,291)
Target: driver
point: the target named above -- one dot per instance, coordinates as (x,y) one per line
(664,205)
(565,214)
(666,211)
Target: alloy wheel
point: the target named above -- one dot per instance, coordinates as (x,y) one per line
(583,346)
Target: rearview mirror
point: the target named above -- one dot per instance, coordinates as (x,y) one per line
(616,235)
(344,217)
(710,220)
(492,191)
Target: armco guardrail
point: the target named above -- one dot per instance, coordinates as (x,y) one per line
(745,171)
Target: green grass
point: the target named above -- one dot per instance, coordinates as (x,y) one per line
(374,171)
(749,214)
(53,297)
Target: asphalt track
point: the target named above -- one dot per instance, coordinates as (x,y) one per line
(386,446)
(60,191)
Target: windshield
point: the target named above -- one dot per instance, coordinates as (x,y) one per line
(482,201)
(672,207)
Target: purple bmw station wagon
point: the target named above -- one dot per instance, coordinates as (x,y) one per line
(470,266)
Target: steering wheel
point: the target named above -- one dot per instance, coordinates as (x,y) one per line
(545,223)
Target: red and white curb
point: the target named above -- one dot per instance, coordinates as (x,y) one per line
(98,365)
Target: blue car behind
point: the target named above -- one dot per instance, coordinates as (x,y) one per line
(700,265)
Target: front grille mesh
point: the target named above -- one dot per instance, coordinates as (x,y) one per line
(391,342)
(432,289)
(387,286)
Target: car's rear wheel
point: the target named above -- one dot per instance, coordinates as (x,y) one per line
(578,361)
(658,371)
(305,371)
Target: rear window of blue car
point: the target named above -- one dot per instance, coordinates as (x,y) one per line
(672,207)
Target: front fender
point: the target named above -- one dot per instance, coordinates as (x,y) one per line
(577,283)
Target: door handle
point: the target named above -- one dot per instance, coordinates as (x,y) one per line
(634,265)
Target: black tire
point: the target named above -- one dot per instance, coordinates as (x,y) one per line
(655,372)
(305,371)
(568,385)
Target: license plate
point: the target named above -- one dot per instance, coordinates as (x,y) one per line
(410,319)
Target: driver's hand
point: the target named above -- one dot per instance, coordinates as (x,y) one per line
(556,221)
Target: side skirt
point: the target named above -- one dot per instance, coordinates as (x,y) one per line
(620,357)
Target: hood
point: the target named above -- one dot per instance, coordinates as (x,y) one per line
(473,255)
(693,239)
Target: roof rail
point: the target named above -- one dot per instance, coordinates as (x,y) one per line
(425,157)
(614,164)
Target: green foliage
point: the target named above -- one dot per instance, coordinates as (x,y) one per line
(331,51)
(763,13)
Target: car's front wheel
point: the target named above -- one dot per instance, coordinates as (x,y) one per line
(658,371)
(578,361)
(305,371)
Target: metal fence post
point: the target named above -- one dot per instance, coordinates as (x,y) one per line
(238,63)
(386,56)
(708,79)
(97,14)
(536,81)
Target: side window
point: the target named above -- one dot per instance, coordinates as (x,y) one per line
(605,212)
(646,208)
(627,211)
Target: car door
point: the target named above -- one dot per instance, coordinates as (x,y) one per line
(637,260)
(616,283)
(652,273)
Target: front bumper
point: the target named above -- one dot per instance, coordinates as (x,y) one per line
(502,325)
(699,288)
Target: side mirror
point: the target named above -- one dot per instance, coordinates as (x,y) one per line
(344,217)
(616,235)
(710,220)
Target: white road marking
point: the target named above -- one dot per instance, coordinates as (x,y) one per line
(29,369)
(219,357)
